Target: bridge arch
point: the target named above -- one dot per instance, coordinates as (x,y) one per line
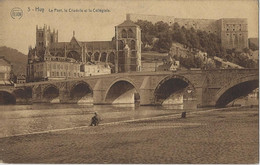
(22,94)
(235,89)
(19,93)
(7,97)
(81,92)
(122,91)
(50,92)
(173,85)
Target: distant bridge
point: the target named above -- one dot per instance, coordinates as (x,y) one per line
(207,87)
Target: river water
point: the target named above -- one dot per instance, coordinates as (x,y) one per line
(24,119)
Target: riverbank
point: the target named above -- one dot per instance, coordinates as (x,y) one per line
(222,136)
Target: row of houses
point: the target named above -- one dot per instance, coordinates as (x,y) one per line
(6,73)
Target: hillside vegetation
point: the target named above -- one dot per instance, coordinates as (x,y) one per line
(160,36)
(18,59)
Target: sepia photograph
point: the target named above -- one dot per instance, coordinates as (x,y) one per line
(129,82)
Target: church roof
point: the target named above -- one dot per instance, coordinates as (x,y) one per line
(128,23)
(73,39)
(98,44)
(59,44)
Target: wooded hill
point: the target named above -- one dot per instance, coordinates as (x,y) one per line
(18,59)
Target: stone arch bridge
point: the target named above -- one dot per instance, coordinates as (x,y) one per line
(207,87)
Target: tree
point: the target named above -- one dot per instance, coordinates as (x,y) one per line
(253,46)
(198,62)
(176,26)
(164,43)
(207,42)
(246,50)
(161,27)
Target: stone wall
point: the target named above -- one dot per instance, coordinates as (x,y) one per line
(152,18)
(208,25)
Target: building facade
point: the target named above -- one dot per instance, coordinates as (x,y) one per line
(51,60)
(5,71)
(233,32)
(21,79)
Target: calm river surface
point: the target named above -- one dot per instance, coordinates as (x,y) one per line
(23,119)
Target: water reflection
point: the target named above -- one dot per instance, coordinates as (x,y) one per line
(21,119)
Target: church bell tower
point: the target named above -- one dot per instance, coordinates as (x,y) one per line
(128,47)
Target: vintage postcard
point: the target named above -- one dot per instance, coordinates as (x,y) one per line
(129,82)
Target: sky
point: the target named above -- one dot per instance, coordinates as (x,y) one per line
(97,26)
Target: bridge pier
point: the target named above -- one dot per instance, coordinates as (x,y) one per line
(99,93)
(199,97)
(99,97)
(36,94)
(146,97)
(147,92)
(64,96)
(208,97)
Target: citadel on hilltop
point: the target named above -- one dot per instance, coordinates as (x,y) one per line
(233,32)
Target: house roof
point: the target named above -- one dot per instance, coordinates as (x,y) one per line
(227,62)
(21,77)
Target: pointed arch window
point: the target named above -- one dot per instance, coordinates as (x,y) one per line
(132,45)
(103,57)
(124,34)
(111,58)
(130,33)
(96,56)
(120,45)
(89,56)
(75,55)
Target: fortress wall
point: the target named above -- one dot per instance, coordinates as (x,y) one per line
(151,18)
(208,25)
